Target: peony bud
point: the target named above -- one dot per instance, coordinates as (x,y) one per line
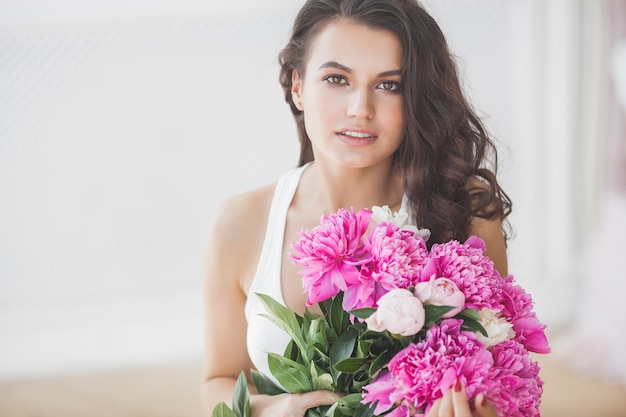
(441,292)
(399,312)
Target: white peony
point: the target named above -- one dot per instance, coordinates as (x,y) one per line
(498,329)
(399,218)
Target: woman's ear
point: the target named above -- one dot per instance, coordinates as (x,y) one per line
(296,89)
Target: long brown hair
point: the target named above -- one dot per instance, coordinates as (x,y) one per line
(449,161)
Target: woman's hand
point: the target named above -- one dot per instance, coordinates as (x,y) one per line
(289,405)
(454,404)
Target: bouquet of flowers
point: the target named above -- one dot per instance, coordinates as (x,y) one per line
(401,324)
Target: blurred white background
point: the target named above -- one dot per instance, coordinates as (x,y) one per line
(124,123)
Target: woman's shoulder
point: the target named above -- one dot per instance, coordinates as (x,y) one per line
(241,215)
(247,212)
(236,234)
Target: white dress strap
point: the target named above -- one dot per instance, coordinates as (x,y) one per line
(267,276)
(264,336)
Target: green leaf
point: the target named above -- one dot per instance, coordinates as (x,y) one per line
(324,382)
(321,351)
(222,410)
(379,363)
(435,313)
(471,321)
(292,351)
(363,347)
(264,385)
(380,345)
(292,375)
(241,397)
(325,306)
(317,333)
(343,346)
(313,412)
(319,411)
(331,410)
(308,314)
(469,313)
(364,410)
(320,380)
(474,326)
(284,318)
(363,313)
(351,400)
(350,365)
(338,319)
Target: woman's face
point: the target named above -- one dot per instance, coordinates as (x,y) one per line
(351,94)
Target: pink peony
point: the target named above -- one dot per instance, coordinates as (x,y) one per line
(329,254)
(402,411)
(516,301)
(518,310)
(513,383)
(530,332)
(396,257)
(379,392)
(466,266)
(424,371)
(441,292)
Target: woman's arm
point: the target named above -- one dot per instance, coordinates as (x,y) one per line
(224,300)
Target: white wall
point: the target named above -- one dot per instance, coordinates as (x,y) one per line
(124,123)
(118,138)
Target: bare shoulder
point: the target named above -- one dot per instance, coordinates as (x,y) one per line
(239,215)
(237,231)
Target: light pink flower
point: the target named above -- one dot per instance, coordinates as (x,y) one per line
(441,292)
(399,312)
(466,266)
(513,383)
(396,258)
(330,253)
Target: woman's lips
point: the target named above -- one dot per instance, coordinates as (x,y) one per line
(357,137)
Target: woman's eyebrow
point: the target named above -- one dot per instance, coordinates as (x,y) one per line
(390,73)
(337,65)
(334,64)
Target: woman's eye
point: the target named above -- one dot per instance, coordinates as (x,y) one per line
(389,86)
(335,79)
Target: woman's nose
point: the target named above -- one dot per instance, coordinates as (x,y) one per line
(360,105)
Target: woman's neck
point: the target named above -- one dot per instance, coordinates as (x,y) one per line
(330,188)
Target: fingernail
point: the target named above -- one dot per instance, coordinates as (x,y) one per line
(483,401)
(457,386)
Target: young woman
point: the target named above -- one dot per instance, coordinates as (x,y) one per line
(382,121)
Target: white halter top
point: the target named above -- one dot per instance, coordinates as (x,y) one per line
(263,336)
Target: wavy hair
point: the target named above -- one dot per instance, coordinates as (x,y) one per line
(448,160)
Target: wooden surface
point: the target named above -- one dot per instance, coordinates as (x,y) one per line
(174,391)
